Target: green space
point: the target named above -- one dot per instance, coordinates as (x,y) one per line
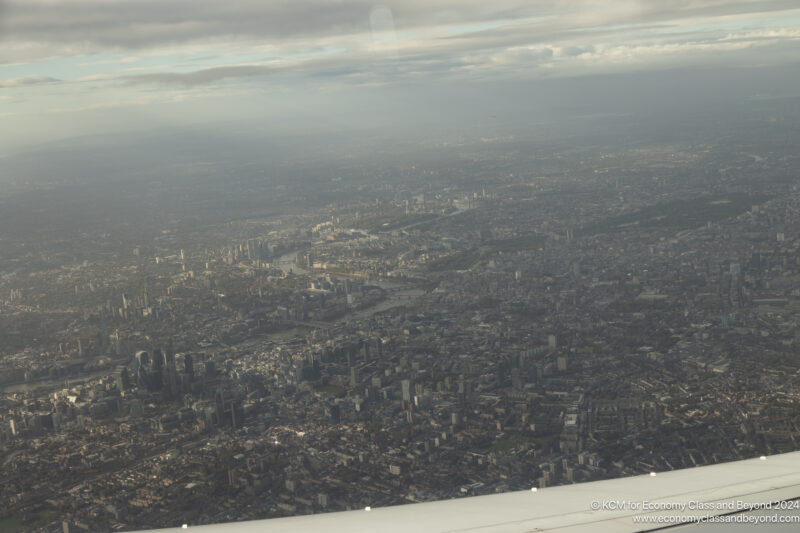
(465,259)
(392,222)
(11,525)
(456,261)
(531,241)
(14,524)
(336,390)
(678,214)
(508,443)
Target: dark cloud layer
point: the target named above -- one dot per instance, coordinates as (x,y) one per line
(135,24)
(198,77)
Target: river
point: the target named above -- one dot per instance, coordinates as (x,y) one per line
(399,294)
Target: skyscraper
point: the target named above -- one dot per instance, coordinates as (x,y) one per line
(405,386)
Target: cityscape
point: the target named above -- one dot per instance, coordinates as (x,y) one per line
(438,336)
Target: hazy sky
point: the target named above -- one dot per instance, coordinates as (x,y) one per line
(95,66)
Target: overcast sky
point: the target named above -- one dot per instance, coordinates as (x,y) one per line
(96,66)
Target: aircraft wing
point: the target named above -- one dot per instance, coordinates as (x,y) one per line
(717,492)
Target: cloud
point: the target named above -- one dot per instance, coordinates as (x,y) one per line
(353,41)
(198,77)
(29,81)
(62,27)
(416,58)
(130,59)
(145,69)
(572,51)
